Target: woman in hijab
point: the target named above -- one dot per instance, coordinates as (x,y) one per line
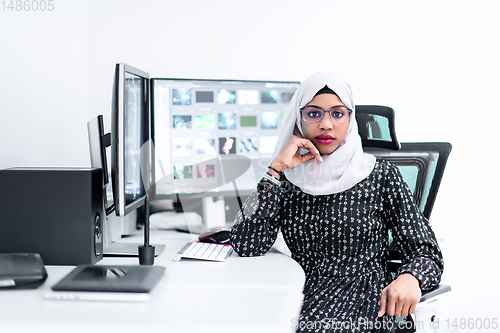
(334,205)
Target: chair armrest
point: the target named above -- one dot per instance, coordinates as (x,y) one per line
(440,289)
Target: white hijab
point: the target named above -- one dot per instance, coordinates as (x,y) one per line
(340,170)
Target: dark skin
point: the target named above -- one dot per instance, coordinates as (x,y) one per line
(401,296)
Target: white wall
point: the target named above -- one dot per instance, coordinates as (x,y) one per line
(435,62)
(43,68)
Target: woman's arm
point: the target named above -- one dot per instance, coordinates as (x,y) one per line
(422,261)
(412,233)
(256,226)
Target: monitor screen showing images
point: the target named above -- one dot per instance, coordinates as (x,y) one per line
(199,122)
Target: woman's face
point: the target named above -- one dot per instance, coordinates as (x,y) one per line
(325,134)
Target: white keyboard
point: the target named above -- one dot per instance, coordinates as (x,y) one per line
(204,251)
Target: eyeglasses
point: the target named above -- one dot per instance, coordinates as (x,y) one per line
(310,115)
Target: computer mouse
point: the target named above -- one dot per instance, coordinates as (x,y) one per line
(219,235)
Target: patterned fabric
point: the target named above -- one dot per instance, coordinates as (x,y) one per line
(341,242)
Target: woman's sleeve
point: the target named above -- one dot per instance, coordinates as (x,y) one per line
(256,226)
(413,235)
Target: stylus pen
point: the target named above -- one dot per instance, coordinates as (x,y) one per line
(146,223)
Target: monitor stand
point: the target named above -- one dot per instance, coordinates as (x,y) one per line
(114,249)
(121,249)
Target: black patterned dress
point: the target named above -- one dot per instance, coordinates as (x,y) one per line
(341,241)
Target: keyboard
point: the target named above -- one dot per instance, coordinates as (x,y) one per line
(204,251)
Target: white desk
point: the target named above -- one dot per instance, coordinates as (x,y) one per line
(259,294)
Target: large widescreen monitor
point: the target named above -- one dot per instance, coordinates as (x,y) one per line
(130,138)
(206,130)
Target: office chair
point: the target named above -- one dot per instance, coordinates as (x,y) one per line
(422,166)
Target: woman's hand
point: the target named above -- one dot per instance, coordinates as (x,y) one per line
(400,297)
(289,156)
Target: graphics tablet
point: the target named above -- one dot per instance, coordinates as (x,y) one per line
(129,279)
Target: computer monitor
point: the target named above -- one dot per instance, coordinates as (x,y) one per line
(206,133)
(130,138)
(131,157)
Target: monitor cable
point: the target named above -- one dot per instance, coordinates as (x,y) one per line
(239,200)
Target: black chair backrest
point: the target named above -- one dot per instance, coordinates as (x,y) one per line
(422,164)
(376,126)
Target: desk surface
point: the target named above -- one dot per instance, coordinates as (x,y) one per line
(258,294)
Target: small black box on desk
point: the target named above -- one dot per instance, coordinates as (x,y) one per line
(56,212)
